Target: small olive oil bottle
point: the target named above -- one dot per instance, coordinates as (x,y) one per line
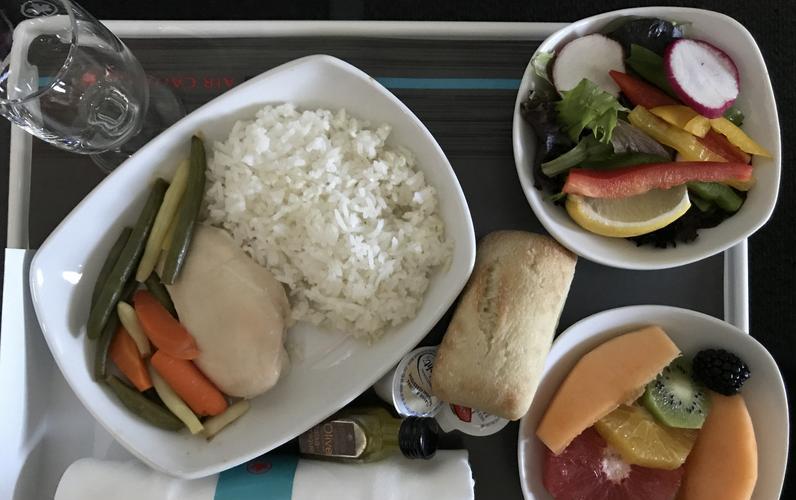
(369,434)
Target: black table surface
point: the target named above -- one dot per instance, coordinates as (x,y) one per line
(772,260)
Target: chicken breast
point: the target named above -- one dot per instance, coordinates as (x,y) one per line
(237,312)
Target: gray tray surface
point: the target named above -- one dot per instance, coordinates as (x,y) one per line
(473,126)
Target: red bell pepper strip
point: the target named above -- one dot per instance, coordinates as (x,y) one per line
(624,182)
(639,92)
(724,148)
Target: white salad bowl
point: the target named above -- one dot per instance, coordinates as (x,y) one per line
(331,368)
(756,101)
(691,331)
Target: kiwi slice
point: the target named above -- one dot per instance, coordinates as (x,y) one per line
(675,398)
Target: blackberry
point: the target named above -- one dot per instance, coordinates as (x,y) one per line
(720,370)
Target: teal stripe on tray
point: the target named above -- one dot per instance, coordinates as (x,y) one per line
(449,83)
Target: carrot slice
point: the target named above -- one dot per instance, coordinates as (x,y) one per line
(190,384)
(162,329)
(124,353)
(639,92)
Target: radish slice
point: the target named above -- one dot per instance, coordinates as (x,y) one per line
(590,57)
(702,76)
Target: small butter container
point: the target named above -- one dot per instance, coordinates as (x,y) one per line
(408,389)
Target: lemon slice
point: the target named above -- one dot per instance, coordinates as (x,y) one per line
(632,216)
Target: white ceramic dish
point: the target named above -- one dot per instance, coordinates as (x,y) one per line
(756,100)
(764,392)
(332,369)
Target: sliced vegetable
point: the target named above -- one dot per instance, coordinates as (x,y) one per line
(587,149)
(130,323)
(110,261)
(128,260)
(143,407)
(721,195)
(649,66)
(651,33)
(190,384)
(213,425)
(541,65)
(738,137)
(160,293)
(702,205)
(620,160)
(588,58)
(127,359)
(683,117)
(162,329)
(162,222)
(588,106)
(167,239)
(686,144)
(628,139)
(187,213)
(719,144)
(631,181)
(106,336)
(173,402)
(735,115)
(702,75)
(639,92)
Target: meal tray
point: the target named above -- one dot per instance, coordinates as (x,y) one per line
(461,79)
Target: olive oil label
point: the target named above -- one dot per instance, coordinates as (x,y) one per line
(331,439)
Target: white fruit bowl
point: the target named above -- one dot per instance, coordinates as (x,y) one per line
(330,368)
(691,331)
(761,122)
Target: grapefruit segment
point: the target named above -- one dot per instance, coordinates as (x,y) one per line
(589,469)
(613,373)
(723,463)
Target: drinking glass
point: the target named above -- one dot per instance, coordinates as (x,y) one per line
(68,80)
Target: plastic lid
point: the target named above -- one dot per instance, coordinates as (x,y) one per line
(469,420)
(408,387)
(418,437)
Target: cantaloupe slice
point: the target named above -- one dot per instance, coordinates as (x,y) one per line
(723,462)
(613,373)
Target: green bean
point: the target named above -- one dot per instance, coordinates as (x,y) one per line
(160,293)
(628,159)
(143,407)
(187,213)
(106,336)
(126,264)
(722,195)
(110,261)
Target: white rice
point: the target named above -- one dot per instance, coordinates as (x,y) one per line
(347,222)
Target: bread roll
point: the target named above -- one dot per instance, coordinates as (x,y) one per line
(494,350)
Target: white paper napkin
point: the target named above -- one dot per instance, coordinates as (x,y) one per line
(446,477)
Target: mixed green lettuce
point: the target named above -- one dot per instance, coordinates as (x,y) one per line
(587,106)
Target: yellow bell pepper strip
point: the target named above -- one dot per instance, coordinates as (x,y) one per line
(630,181)
(686,144)
(738,137)
(683,117)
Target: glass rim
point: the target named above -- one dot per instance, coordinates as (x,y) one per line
(68,5)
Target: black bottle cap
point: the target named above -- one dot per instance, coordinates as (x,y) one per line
(418,437)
